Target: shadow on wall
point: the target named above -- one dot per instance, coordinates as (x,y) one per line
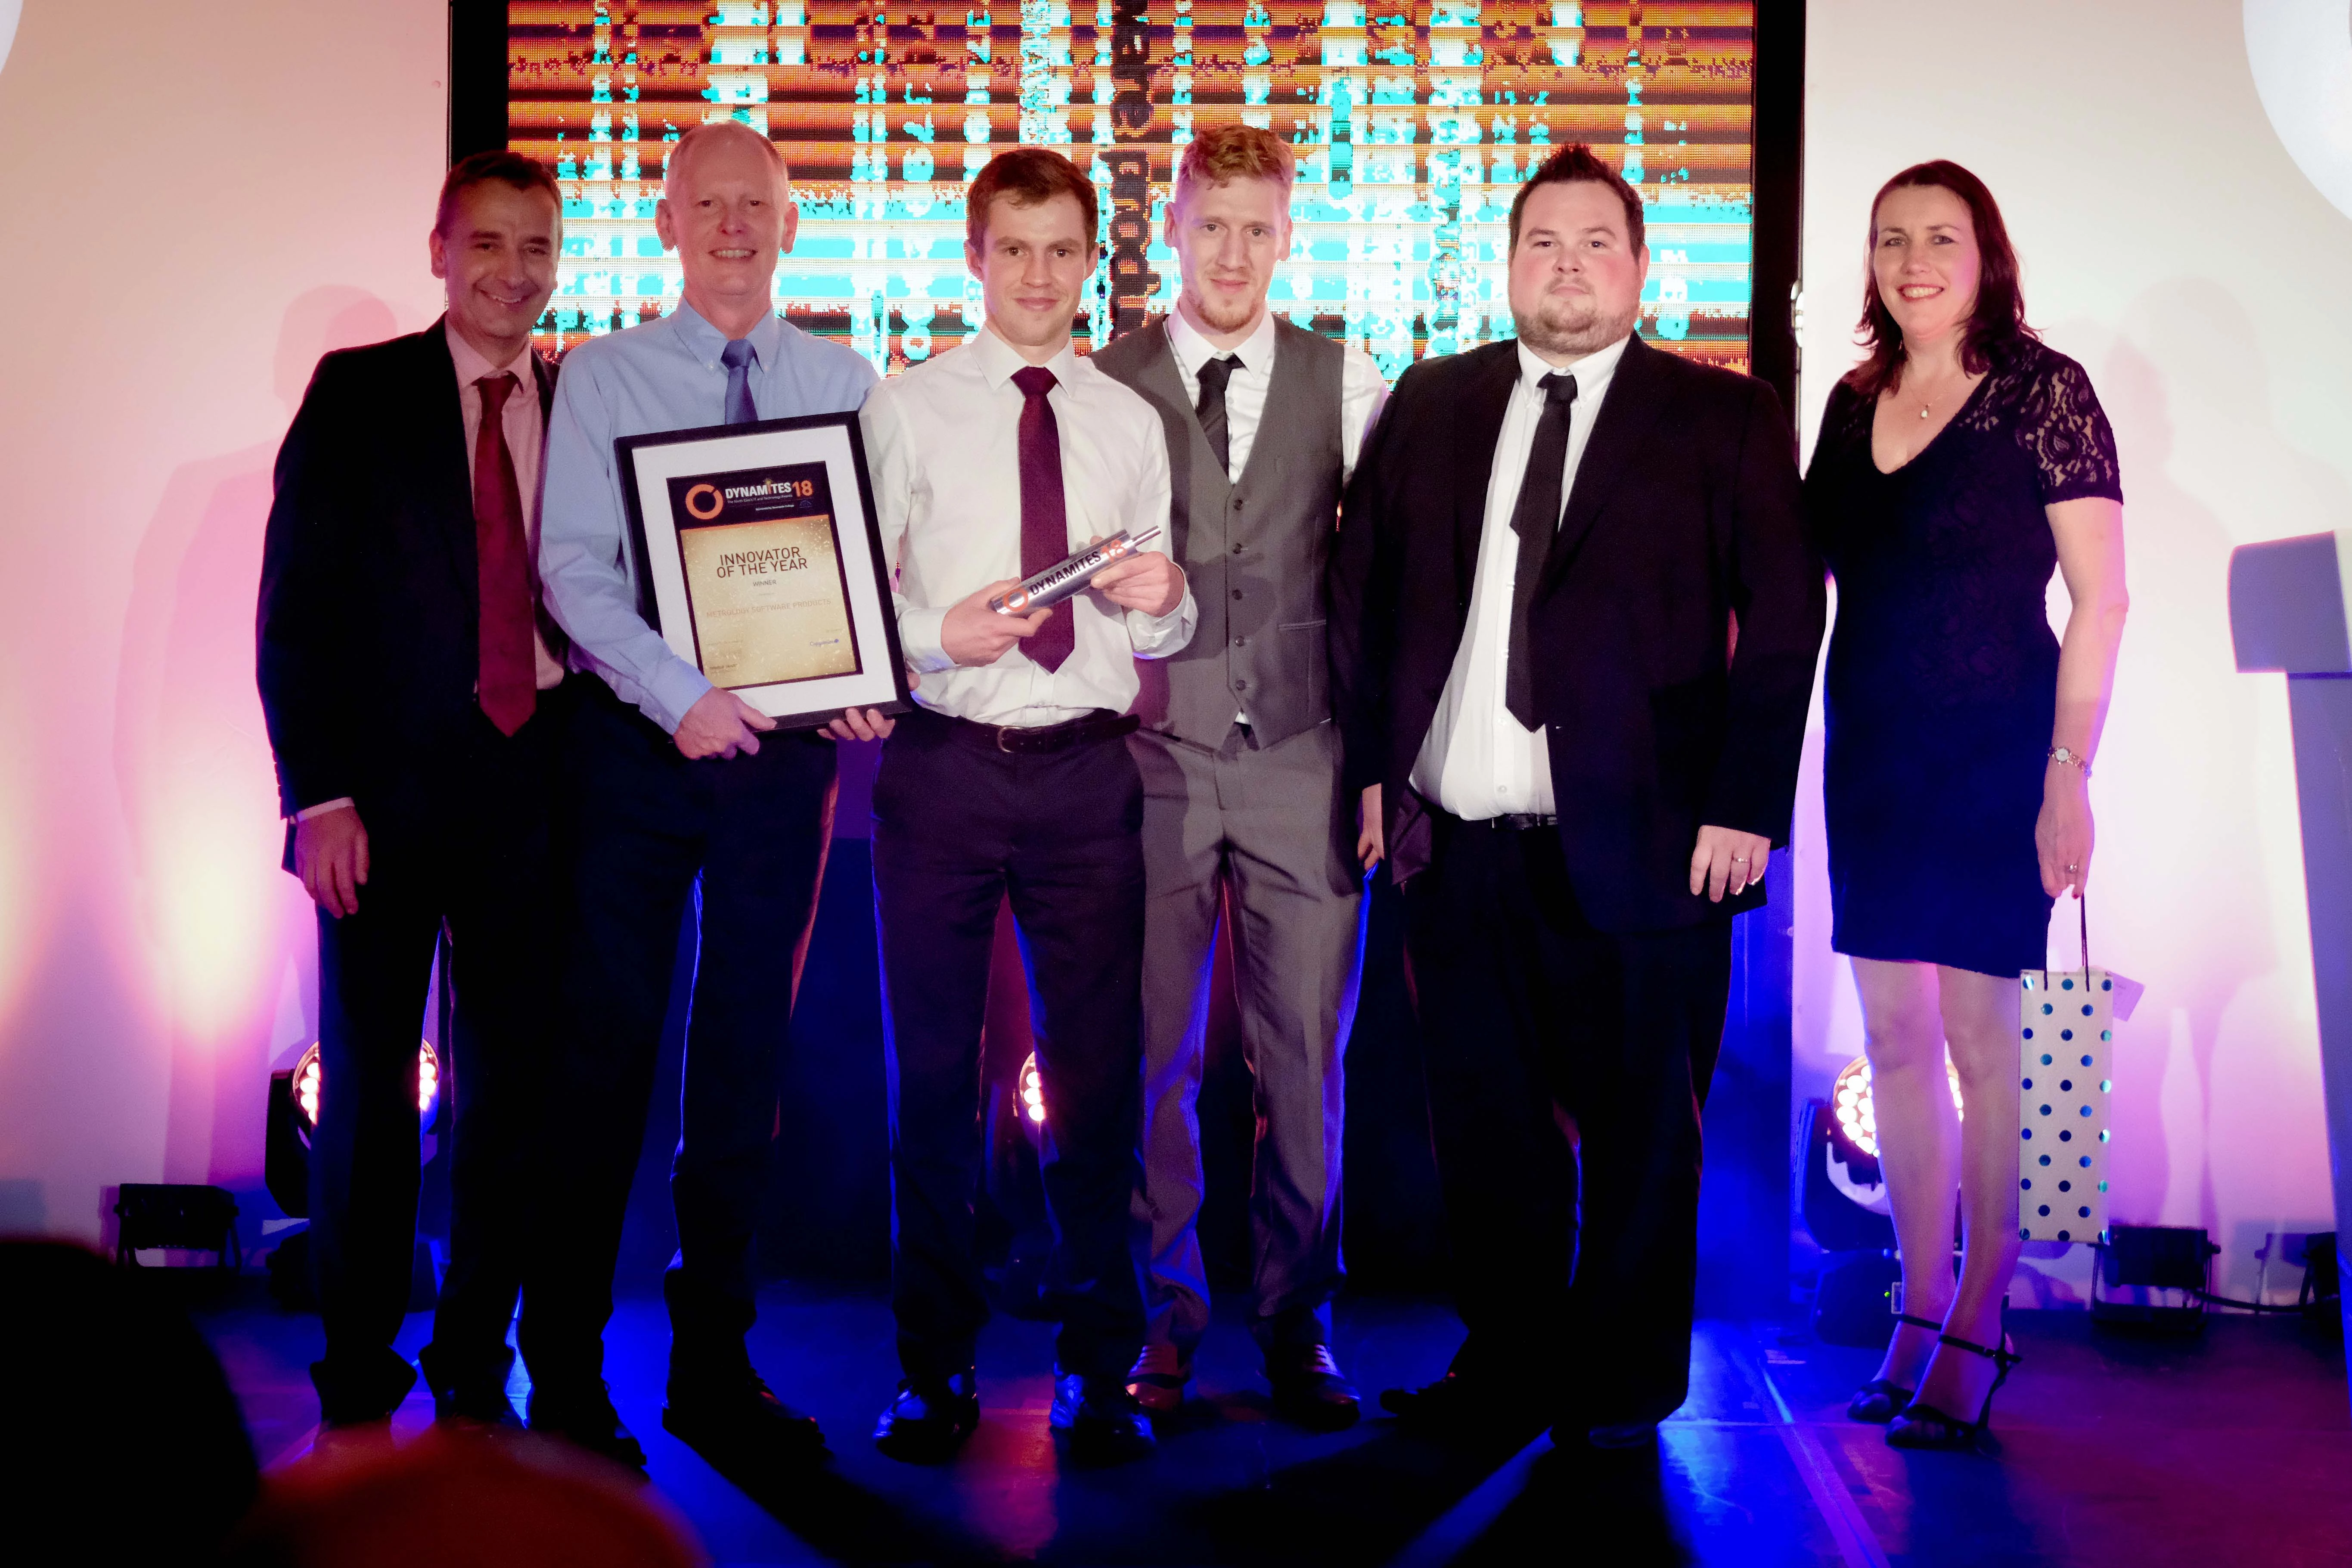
(2187,904)
(198,792)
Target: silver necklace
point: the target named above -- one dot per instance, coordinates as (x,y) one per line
(1927,403)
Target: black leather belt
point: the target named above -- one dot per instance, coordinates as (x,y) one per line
(1518,821)
(1043,739)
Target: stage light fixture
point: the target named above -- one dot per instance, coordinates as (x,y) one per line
(305,1085)
(1033,1091)
(429,1082)
(183,1217)
(296,1095)
(310,1081)
(1858,1116)
(1843,1193)
(2167,1268)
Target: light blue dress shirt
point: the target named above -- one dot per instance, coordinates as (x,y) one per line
(664,375)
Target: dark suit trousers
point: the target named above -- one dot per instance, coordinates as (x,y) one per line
(1555,1051)
(747,837)
(957,829)
(482,863)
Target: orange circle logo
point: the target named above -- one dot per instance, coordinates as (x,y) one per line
(702,496)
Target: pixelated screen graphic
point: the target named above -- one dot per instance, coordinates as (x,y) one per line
(1412,125)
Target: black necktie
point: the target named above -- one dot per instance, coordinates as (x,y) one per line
(1212,410)
(1536,520)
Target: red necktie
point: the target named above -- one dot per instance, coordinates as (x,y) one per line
(1045,521)
(508,684)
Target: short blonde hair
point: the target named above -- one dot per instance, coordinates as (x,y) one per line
(1224,152)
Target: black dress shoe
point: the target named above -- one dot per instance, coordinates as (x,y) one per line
(356,1393)
(1100,1420)
(740,1418)
(1615,1435)
(584,1417)
(476,1404)
(469,1394)
(1451,1403)
(929,1421)
(1308,1388)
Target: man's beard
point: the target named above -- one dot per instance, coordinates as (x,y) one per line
(1224,318)
(1572,325)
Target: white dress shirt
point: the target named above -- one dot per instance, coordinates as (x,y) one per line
(943,443)
(1477,760)
(1361,391)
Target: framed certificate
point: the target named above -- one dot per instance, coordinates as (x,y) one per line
(760,564)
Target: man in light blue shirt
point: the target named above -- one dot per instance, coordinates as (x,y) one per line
(664,375)
(677,780)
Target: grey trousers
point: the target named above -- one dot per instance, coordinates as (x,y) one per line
(1267,827)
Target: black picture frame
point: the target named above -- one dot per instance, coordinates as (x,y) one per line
(666,596)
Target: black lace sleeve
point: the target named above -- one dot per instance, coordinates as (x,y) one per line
(2062,426)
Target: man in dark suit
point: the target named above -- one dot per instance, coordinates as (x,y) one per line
(415,705)
(1573,627)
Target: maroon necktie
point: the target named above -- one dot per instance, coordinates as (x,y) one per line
(508,684)
(1045,521)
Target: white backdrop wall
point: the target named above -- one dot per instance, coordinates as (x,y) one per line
(203,200)
(2171,244)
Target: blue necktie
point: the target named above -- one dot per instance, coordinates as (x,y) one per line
(736,358)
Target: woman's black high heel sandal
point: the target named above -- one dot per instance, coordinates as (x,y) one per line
(1924,1427)
(1882,1399)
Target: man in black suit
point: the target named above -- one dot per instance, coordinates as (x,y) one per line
(1573,628)
(416,706)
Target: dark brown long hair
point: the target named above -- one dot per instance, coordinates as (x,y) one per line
(1997,323)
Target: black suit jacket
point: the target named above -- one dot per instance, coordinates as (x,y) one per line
(368,632)
(1684,514)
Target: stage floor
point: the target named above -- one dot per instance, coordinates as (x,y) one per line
(2234,1448)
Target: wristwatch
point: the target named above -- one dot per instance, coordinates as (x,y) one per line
(2073,759)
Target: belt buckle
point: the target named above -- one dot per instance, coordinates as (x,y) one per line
(1004,733)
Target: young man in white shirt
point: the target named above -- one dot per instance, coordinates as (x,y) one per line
(1243,805)
(1013,778)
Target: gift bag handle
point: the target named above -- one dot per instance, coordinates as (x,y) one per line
(2083,912)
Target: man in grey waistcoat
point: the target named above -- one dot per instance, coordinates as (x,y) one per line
(1244,811)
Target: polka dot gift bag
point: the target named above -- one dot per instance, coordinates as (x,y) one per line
(2066,1045)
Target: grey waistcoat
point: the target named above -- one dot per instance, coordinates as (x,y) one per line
(1253,550)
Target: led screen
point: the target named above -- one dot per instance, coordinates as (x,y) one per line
(1413,127)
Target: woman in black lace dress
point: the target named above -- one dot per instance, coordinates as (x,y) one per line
(1957,466)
